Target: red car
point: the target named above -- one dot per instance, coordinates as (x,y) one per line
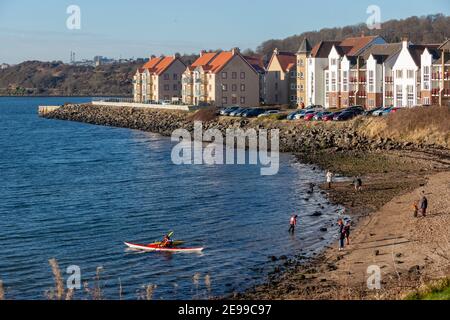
(329,117)
(394,110)
(309,116)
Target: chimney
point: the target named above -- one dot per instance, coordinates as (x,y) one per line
(235,51)
(405,42)
(152,56)
(276,51)
(202,53)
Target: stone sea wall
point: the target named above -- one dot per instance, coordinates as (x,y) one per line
(295,136)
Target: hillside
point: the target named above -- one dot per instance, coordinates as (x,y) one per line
(57,78)
(426,29)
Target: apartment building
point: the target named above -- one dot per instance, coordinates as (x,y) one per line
(158,79)
(221,79)
(302,69)
(281,79)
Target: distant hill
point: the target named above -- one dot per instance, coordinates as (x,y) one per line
(57,78)
(425,29)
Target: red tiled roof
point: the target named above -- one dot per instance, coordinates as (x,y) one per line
(220,61)
(163,65)
(286,60)
(351,46)
(152,63)
(204,59)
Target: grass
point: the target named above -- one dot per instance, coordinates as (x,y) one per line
(429,125)
(437,290)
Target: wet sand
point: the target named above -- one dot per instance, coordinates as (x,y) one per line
(409,251)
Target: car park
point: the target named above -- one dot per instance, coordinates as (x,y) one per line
(254,112)
(320,115)
(268,113)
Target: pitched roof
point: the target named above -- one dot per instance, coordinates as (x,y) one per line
(164,64)
(305,46)
(416,51)
(350,46)
(386,49)
(152,63)
(203,60)
(323,48)
(219,62)
(286,59)
(257,62)
(355,44)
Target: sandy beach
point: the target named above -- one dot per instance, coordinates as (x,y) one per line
(409,251)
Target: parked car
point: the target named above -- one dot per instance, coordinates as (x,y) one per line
(166,102)
(320,115)
(394,110)
(293,114)
(303,114)
(329,117)
(346,115)
(254,112)
(382,112)
(227,111)
(235,112)
(371,111)
(241,112)
(309,116)
(268,113)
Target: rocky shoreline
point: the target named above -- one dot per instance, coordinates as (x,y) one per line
(294,137)
(389,168)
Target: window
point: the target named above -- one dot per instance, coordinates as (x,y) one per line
(224,75)
(410,74)
(276,98)
(234,100)
(426,101)
(234,75)
(333,62)
(224,100)
(410,96)
(225,88)
(175,76)
(399,74)
(242,87)
(166,76)
(327,81)
(242,75)
(293,86)
(276,75)
(371,81)
(399,95)
(233,87)
(333,81)
(166,87)
(175,87)
(426,78)
(345,80)
(276,85)
(302,88)
(293,98)
(293,74)
(242,100)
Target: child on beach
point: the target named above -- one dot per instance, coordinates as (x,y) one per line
(416,208)
(329,178)
(347,232)
(341,234)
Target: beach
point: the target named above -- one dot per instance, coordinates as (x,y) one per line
(409,251)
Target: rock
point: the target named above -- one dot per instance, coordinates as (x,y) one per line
(323,229)
(398,255)
(376,252)
(283,258)
(316,214)
(273,258)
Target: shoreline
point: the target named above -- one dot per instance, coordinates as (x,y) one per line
(390,170)
(334,275)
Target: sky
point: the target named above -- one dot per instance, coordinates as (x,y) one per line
(37,30)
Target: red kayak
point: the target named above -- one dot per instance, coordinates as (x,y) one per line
(156,247)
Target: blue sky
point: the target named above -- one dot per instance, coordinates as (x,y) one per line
(137,28)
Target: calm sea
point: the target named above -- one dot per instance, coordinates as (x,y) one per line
(76,192)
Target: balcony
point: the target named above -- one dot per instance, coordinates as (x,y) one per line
(389,79)
(436,76)
(362,94)
(353,80)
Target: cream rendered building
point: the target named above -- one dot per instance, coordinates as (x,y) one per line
(221,79)
(159,79)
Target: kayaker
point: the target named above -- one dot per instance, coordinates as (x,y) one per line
(293,223)
(166,242)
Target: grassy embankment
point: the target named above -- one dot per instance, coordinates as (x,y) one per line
(438,290)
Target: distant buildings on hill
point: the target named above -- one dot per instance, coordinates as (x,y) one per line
(100,60)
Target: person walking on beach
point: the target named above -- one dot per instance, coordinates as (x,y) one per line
(293,223)
(347,232)
(341,234)
(416,208)
(358,184)
(424,205)
(329,178)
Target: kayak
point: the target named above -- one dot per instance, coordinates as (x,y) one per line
(155,247)
(174,243)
